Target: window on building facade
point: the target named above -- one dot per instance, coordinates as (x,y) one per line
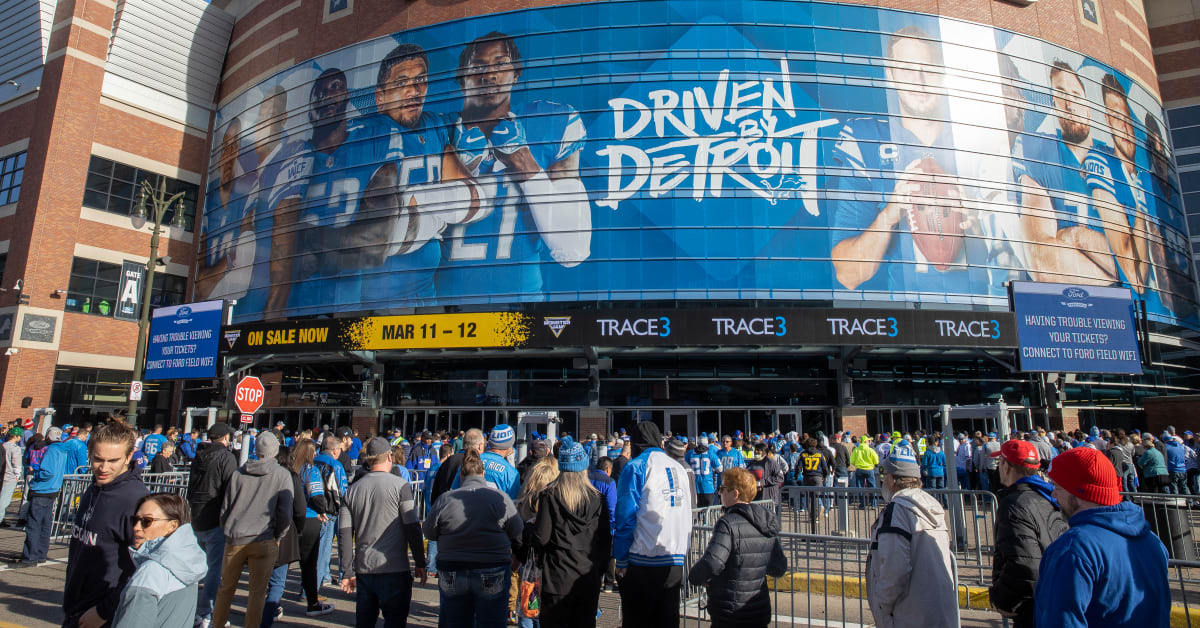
(12,171)
(114,187)
(94,284)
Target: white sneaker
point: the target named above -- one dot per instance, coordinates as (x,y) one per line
(323,609)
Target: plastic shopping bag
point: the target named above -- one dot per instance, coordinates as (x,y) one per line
(530,599)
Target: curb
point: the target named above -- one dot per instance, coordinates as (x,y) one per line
(969,597)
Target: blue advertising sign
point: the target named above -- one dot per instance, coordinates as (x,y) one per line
(1065,328)
(183,341)
(680,150)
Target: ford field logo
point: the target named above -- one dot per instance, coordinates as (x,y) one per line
(186,311)
(38,325)
(1075,293)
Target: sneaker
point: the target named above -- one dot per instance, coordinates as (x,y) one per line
(608,587)
(278,613)
(25,564)
(319,610)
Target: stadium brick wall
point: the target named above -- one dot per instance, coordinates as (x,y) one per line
(61,124)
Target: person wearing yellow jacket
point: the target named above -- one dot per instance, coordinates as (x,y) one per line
(863,460)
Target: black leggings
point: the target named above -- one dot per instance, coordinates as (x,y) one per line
(310,548)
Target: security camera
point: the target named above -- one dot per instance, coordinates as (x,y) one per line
(17,286)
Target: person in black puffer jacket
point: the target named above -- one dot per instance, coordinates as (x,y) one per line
(744,550)
(1027,522)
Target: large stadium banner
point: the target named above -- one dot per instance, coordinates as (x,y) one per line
(754,149)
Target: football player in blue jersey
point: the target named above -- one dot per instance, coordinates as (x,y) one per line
(532,150)
(885,220)
(285,164)
(1120,192)
(333,239)
(223,221)
(1063,238)
(1166,203)
(421,187)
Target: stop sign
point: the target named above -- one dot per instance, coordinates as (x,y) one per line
(249,395)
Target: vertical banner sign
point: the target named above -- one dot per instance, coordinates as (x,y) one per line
(1065,328)
(133,284)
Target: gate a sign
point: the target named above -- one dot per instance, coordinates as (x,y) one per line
(129,299)
(249,394)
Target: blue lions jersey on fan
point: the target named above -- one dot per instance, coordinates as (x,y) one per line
(284,175)
(417,152)
(331,203)
(1050,162)
(873,148)
(706,465)
(507,240)
(153,444)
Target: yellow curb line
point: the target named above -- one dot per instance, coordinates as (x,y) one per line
(969,597)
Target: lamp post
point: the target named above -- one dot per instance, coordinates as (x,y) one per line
(159,202)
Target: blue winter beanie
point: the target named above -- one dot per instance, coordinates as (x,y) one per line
(571,456)
(502,437)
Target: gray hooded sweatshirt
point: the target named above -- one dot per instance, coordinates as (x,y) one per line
(258,503)
(162,591)
(910,569)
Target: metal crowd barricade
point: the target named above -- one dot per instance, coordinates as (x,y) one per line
(839,511)
(75,485)
(825,582)
(1173,519)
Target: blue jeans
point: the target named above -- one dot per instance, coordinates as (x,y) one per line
(325,550)
(476,597)
(964,479)
(431,557)
(864,479)
(935,483)
(213,543)
(981,478)
(274,594)
(528,622)
(390,593)
(38,526)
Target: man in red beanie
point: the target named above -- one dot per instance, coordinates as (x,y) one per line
(1108,569)
(1027,522)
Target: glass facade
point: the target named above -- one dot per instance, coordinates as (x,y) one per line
(114,187)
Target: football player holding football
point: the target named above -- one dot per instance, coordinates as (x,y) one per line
(896,199)
(532,150)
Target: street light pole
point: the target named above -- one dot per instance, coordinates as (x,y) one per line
(160,203)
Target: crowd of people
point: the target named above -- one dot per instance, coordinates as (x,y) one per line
(578,519)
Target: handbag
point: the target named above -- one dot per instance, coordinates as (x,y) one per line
(529,600)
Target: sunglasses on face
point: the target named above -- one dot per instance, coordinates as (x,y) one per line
(146,522)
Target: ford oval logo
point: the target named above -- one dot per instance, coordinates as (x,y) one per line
(1075,293)
(187,311)
(38,325)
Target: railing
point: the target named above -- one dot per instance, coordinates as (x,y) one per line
(75,485)
(824,583)
(839,511)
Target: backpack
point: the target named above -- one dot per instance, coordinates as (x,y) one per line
(329,483)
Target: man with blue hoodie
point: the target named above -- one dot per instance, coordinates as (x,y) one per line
(44,485)
(1176,464)
(1108,569)
(1027,522)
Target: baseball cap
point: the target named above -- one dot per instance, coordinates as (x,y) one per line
(1019,453)
(345,432)
(1087,474)
(991,435)
(376,446)
(219,430)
